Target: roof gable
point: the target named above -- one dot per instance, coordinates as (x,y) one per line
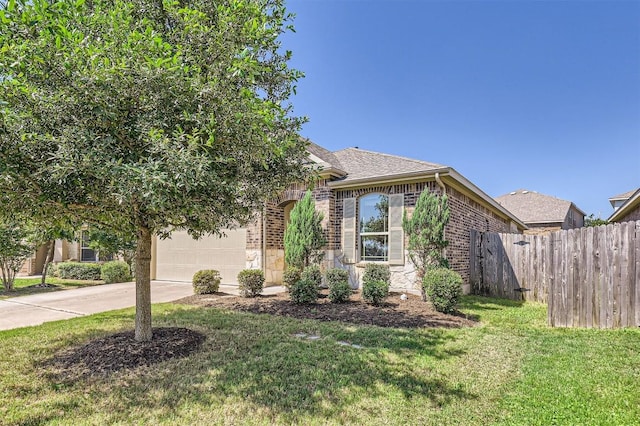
(532,207)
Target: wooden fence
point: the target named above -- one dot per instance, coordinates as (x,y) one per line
(589,277)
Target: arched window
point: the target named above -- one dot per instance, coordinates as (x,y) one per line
(374,227)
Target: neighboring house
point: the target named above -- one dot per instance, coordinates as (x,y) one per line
(363,196)
(64,251)
(627,206)
(542,213)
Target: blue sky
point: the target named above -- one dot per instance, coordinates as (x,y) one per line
(540,95)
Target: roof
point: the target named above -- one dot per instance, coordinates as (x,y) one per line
(361,164)
(326,159)
(623,196)
(632,202)
(533,207)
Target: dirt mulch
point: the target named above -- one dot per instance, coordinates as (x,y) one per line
(104,356)
(394,312)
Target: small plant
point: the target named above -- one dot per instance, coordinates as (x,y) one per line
(336,275)
(376,272)
(339,291)
(443,287)
(251,282)
(304,292)
(206,281)
(115,272)
(290,276)
(79,271)
(312,273)
(374,292)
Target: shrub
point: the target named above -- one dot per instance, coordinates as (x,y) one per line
(304,292)
(115,272)
(251,282)
(376,272)
(52,270)
(444,288)
(291,275)
(336,275)
(374,292)
(339,291)
(79,271)
(312,273)
(206,281)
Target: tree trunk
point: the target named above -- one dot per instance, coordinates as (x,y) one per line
(143,285)
(47,260)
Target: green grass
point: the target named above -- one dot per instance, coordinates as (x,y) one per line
(512,370)
(23,286)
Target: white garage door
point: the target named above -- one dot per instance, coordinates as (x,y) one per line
(180,256)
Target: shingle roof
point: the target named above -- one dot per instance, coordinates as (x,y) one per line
(632,201)
(623,196)
(324,155)
(532,207)
(362,164)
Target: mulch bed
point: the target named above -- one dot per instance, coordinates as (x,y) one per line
(120,351)
(394,312)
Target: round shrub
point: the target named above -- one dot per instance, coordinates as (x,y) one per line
(304,292)
(291,275)
(443,287)
(376,272)
(336,275)
(374,292)
(79,271)
(339,291)
(206,281)
(251,282)
(115,272)
(312,273)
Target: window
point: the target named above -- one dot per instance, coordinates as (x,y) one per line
(374,228)
(87,254)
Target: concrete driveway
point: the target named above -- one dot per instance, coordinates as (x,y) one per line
(39,308)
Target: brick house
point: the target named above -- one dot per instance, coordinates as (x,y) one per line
(542,213)
(363,196)
(627,206)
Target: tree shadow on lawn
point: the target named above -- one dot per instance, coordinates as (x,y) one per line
(288,366)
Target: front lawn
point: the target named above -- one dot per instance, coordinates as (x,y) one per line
(263,369)
(26,286)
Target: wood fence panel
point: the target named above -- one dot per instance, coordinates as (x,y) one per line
(589,277)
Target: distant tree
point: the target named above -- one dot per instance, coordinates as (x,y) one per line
(591,220)
(425,233)
(14,250)
(45,233)
(304,237)
(108,243)
(146,116)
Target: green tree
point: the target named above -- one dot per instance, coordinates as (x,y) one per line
(146,116)
(45,234)
(591,220)
(425,233)
(14,251)
(108,243)
(304,237)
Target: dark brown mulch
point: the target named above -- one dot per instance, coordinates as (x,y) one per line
(409,313)
(101,357)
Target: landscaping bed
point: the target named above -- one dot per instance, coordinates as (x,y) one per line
(393,312)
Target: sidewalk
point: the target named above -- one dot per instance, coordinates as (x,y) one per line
(58,305)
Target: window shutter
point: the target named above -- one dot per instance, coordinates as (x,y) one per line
(349,230)
(396,233)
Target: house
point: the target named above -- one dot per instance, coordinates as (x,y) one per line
(542,213)
(355,188)
(627,206)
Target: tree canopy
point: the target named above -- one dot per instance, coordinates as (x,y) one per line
(146,116)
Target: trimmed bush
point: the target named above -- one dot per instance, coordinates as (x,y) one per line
(339,292)
(206,281)
(376,272)
(312,273)
(374,292)
(115,272)
(251,282)
(304,292)
(336,275)
(79,271)
(291,275)
(443,287)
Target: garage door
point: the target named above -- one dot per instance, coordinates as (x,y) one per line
(180,256)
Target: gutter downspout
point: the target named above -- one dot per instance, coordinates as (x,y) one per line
(263,261)
(444,192)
